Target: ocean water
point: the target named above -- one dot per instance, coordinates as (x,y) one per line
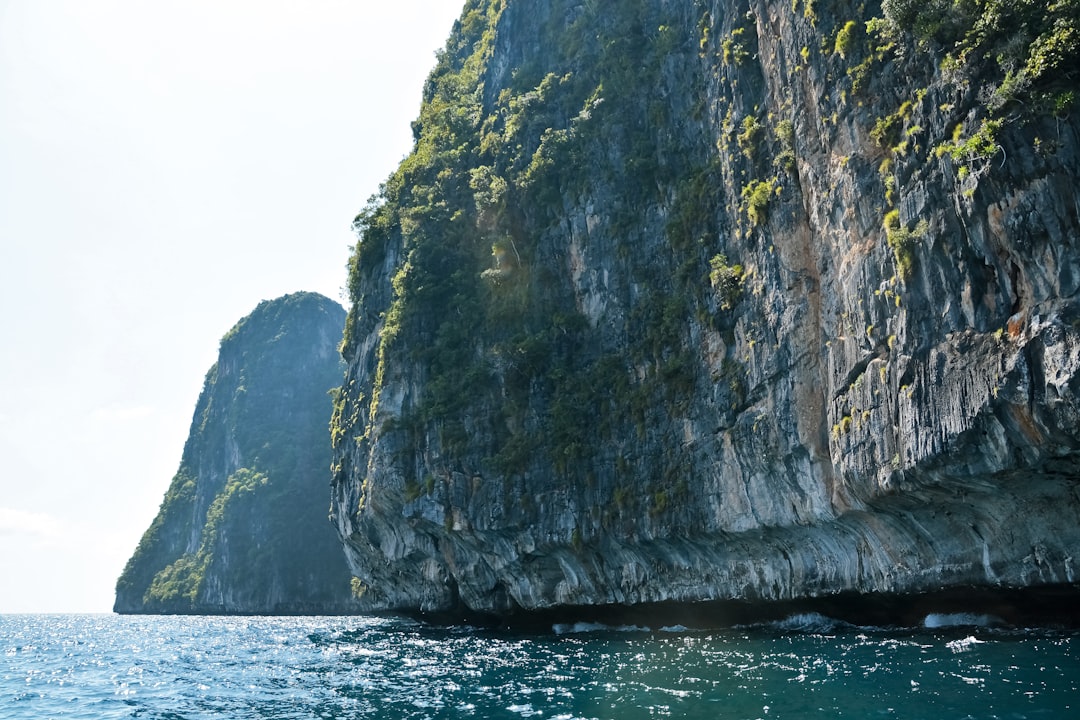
(181,668)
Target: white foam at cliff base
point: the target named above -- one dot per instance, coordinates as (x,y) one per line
(944,620)
(809,623)
(588,627)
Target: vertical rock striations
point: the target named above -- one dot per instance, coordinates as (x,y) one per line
(243,526)
(721,299)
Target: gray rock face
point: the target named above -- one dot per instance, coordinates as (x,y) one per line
(732,314)
(243,528)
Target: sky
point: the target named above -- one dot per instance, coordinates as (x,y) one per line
(164,167)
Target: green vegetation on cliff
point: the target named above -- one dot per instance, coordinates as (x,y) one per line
(243,525)
(471,218)
(513,366)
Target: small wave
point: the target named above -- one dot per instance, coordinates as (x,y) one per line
(809,623)
(525,710)
(591,627)
(675,629)
(947,620)
(959,646)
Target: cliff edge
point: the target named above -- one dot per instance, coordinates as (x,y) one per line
(688,300)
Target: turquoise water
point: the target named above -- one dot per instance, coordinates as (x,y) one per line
(174,668)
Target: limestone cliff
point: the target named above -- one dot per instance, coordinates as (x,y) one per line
(243,526)
(683,300)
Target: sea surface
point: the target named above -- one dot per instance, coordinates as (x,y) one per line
(174,668)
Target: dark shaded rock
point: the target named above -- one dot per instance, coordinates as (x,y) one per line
(243,527)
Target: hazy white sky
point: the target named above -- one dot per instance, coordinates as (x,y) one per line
(164,166)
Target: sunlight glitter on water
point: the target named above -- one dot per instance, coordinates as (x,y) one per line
(182,668)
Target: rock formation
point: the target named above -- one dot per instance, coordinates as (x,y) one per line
(243,527)
(688,300)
